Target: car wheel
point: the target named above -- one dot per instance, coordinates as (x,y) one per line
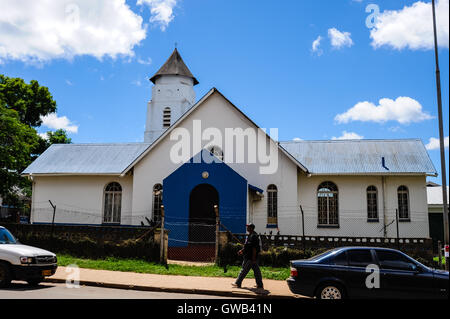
(330,291)
(34,281)
(5,275)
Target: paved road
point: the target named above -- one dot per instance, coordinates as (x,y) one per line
(19,290)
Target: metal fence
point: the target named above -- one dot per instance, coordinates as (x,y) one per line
(195,240)
(191,239)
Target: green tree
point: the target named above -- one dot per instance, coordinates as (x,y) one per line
(31,101)
(21,107)
(17,142)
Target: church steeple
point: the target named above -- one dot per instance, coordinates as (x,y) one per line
(172,95)
(174,66)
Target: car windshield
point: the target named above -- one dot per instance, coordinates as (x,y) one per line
(6,237)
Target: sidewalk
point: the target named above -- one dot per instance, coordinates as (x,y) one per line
(178,284)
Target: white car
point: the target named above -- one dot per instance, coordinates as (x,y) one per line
(21,262)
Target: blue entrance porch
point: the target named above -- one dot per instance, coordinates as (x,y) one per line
(178,187)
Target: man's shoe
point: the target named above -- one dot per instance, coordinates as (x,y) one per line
(234,285)
(260,290)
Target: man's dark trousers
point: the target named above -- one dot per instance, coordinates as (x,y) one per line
(247,264)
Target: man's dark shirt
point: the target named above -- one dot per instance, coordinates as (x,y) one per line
(251,242)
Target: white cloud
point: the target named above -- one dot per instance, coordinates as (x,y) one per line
(297,139)
(339,39)
(412,27)
(403,110)
(68,82)
(161,11)
(147,61)
(38,31)
(434,143)
(348,136)
(54,122)
(43,136)
(315,46)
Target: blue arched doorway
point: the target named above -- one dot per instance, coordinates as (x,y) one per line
(202,217)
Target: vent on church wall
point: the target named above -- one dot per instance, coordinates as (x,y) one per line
(166,117)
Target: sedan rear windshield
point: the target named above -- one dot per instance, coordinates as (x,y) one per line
(6,237)
(323,255)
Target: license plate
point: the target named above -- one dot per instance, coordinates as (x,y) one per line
(46,273)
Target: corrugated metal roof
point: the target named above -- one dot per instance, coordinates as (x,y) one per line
(362,156)
(86,158)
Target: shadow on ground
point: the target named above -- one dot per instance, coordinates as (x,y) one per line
(23,286)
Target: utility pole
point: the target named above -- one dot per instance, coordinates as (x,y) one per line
(441,141)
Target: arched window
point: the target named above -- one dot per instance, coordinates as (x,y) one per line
(403,203)
(217,152)
(166,117)
(113,203)
(157,202)
(328,209)
(272,205)
(372,203)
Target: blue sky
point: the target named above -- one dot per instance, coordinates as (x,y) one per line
(258,54)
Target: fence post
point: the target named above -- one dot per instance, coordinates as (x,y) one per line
(162,235)
(398,234)
(439,254)
(53,219)
(303,228)
(216,211)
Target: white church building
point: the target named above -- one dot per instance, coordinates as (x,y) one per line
(322,188)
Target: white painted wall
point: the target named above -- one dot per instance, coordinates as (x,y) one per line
(78,199)
(353,206)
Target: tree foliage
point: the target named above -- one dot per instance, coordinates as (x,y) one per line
(30,101)
(21,108)
(17,142)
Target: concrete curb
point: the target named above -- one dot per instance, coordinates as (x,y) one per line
(173,290)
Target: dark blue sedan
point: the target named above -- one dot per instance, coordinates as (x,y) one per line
(366,272)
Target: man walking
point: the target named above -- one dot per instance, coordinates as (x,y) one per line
(250,252)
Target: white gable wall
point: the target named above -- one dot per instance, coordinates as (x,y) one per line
(219,113)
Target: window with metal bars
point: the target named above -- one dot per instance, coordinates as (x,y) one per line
(157,202)
(113,203)
(166,117)
(372,203)
(328,210)
(272,205)
(403,203)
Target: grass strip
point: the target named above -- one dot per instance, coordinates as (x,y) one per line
(141,266)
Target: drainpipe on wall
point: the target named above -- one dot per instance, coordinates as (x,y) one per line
(383,187)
